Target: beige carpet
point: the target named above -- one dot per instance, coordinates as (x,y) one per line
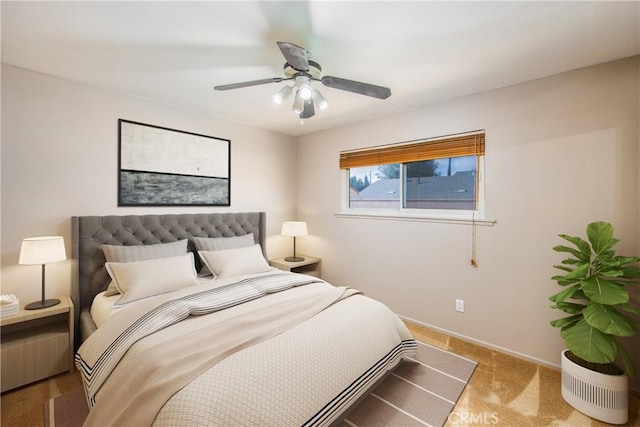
(419,392)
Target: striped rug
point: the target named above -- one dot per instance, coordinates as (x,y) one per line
(419,392)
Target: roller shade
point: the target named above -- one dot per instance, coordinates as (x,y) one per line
(437,148)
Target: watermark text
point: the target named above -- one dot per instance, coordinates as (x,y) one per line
(473,418)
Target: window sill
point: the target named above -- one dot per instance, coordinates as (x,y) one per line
(400,216)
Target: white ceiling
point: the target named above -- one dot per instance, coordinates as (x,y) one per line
(426,52)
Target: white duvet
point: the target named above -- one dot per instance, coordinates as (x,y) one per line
(103,307)
(308,374)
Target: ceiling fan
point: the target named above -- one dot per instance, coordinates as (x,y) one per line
(303,71)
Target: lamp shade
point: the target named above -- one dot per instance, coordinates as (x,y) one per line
(298,104)
(294,228)
(42,250)
(282,94)
(320,100)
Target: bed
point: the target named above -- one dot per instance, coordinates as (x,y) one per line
(183,322)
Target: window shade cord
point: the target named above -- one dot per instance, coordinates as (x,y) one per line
(474,263)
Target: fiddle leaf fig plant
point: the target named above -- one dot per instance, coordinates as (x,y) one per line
(595,297)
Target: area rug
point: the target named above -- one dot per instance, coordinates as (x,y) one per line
(67,410)
(421,391)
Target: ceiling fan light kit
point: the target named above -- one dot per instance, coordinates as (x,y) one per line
(303,71)
(320,101)
(280,96)
(298,105)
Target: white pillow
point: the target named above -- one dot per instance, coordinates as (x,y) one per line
(220,244)
(121,253)
(235,262)
(142,279)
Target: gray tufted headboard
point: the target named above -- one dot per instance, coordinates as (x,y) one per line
(90,232)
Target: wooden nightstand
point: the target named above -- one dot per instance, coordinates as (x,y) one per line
(36,344)
(310,265)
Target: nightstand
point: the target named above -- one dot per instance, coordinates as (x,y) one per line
(36,344)
(310,265)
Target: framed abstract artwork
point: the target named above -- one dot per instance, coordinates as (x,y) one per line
(159,166)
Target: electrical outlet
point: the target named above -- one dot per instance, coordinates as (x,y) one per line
(460,305)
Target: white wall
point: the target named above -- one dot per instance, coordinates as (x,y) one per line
(560,152)
(60,159)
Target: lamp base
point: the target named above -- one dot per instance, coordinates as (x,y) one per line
(294,259)
(42,304)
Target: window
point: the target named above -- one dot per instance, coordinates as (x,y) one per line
(439,176)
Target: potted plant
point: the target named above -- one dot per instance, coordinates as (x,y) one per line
(596,299)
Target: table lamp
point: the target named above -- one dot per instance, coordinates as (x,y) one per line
(42,250)
(294,229)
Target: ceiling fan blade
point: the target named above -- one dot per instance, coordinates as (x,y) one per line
(249,83)
(367,89)
(296,56)
(309,109)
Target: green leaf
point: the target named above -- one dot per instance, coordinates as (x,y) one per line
(609,249)
(631,271)
(576,253)
(579,295)
(569,307)
(608,259)
(622,282)
(571,261)
(624,260)
(566,321)
(563,267)
(562,282)
(608,320)
(565,293)
(612,273)
(603,291)
(628,308)
(629,366)
(600,234)
(577,274)
(582,246)
(589,343)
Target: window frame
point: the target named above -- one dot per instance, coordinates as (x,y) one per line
(440,215)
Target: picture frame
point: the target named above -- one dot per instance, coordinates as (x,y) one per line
(160,166)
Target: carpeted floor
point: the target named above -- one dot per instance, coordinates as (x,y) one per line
(503,391)
(507,391)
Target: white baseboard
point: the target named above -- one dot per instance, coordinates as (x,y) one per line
(484,344)
(519,355)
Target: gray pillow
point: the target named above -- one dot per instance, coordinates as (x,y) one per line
(119,253)
(221,244)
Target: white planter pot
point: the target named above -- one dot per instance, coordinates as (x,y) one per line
(600,396)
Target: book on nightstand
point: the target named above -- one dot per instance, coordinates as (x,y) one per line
(9,305)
